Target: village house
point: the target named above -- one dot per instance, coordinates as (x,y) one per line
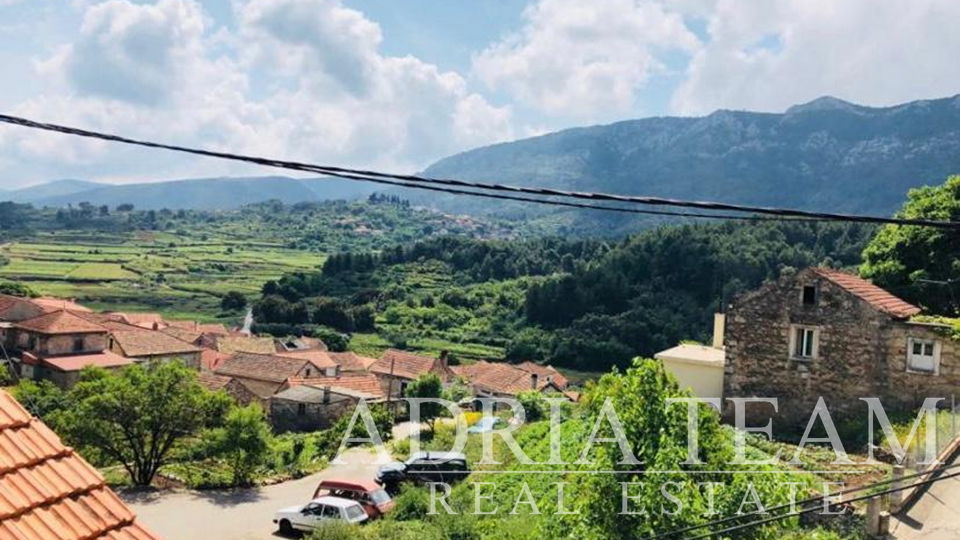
(822,332)
(143,345)
(49,491)
(397,369)
(499,379)
(57,346)
(259,376)
(699,368)
(317,403)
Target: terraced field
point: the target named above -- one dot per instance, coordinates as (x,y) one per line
(150,272)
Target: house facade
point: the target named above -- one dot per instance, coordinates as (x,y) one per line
(822,332)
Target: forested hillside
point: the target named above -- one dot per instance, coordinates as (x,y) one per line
(580,304)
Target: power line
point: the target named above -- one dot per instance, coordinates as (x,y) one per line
(810,509)
(417,182)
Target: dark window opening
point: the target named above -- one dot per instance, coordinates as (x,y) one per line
(78,345)
(809,295)
(301,409)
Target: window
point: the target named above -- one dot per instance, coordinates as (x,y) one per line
(809,295)
(923,355)
(308,372)
(332,372)
(331,512)
(78,344)
(301,409)
(804,342)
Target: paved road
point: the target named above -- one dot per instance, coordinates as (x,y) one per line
(243,514)
(935,516)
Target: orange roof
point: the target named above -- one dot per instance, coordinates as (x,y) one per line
(873,295)
(261,367)
(351,361)
(217,328)
(105,359)
(143,320)
(48,303)
(404,365)
(60,322)
(319,358)
(545,373)
(500,378)
(47,492)
(211,359)
(365,383)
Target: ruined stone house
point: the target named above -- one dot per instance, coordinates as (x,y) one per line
(823,332)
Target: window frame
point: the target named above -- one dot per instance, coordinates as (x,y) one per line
(795,329)
(934,356)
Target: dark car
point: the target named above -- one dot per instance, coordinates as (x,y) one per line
(423,467)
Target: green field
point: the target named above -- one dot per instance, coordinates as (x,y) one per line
(137,272)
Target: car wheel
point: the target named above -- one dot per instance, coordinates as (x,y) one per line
(286,528)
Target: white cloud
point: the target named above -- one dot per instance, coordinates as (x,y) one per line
(296,79)
(585,60)
(877,52)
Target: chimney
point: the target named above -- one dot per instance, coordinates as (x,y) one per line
(719,321)
(444,359)
(534,380)
(326,395)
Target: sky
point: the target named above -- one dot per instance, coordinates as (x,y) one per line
(398,84)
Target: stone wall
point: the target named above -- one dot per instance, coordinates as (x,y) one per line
(287,415)
(44,345)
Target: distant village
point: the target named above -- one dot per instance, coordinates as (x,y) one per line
(300,383)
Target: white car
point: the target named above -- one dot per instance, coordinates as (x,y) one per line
(317,512)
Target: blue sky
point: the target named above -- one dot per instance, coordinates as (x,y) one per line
(397,84)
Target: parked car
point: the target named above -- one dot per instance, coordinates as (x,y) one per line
(317,513)
(424,467)
(374,499)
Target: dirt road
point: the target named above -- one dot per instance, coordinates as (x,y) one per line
(242,514)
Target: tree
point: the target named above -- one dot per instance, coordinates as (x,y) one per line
(335,341)
(125,207)
(427,385)
(42,398)
(233,301)
(17,289)
(920,264)
(244,440)
(136,416)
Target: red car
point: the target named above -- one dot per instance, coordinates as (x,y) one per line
(369,494)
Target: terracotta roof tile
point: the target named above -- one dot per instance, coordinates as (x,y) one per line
(60,322)
(189,336)
(105,359)
(211,359)
(404,364)
(545,373)
(48,303)
(366,383)
(872,294)
(49,493)
(142,342)
(319,358)
(351,361)
(261,367)
(500,378)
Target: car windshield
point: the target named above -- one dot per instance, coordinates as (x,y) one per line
(354,512)
(379,496)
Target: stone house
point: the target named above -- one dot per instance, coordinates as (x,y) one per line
(16,309)
(143,345)
(823,332)
(500,379)
(396,369)
(57,346)
(259,376)
(314,404)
